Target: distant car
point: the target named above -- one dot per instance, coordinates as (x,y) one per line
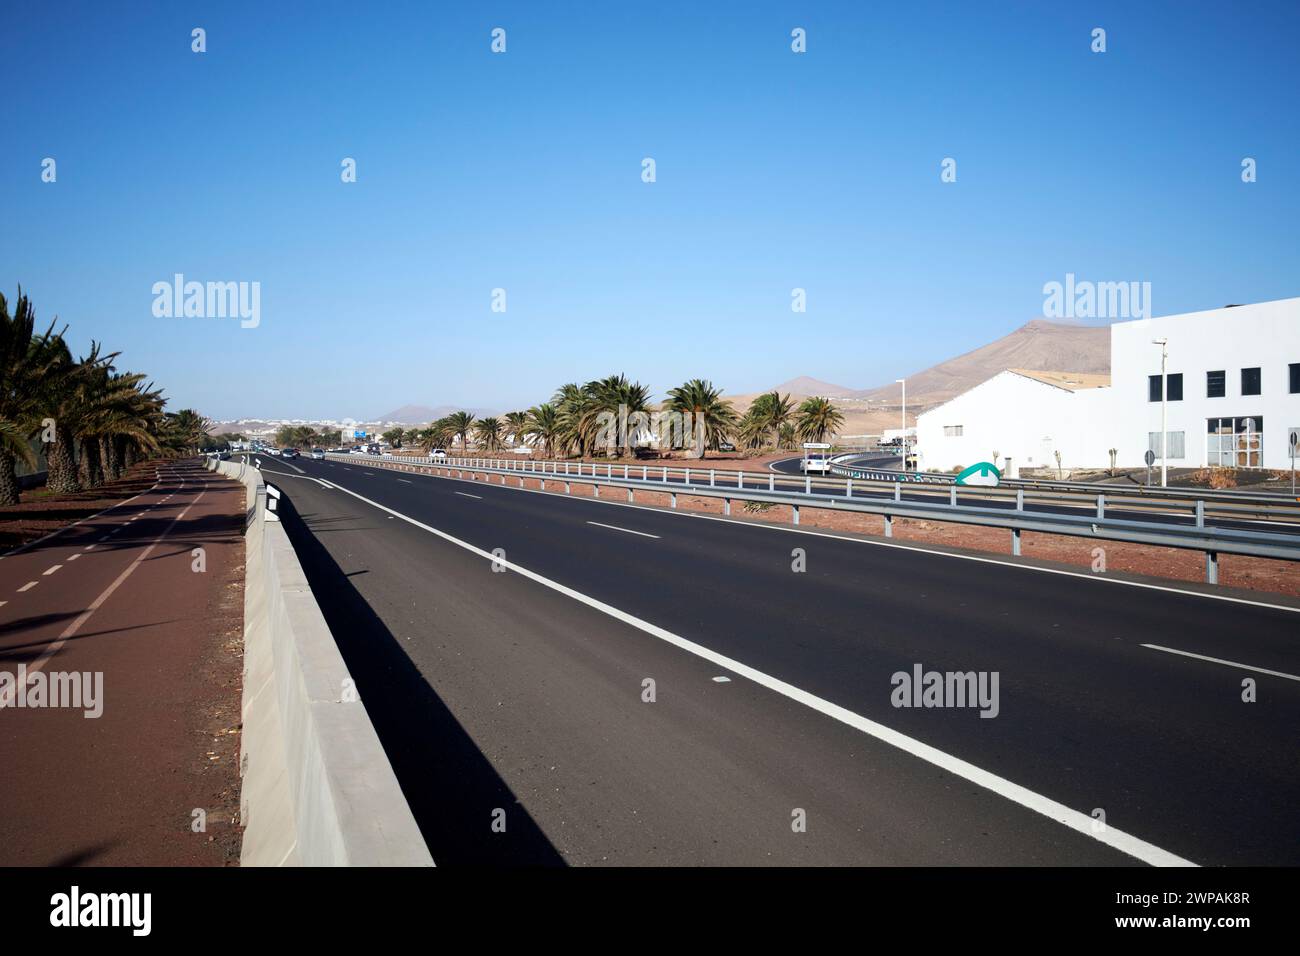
(726,446)
(318,454)
(437,454)
(288,453)
(372,449)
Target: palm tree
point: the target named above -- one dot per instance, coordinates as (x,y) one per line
(711,418)
(817,417)
(762,423)
(544,424)
(460,424)
(27,363)
(516,426)
(610,399)
(488,433)
(578,418)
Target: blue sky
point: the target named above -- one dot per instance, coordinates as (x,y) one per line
(522,171)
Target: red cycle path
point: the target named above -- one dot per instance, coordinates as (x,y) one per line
(119,595)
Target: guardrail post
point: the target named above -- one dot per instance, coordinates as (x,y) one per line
(952,494)
(771,481)
(1015,542)
(726,506)
(665,474)
(898,491)
(807,484)
(625,472)
(794,514)
(740,479)
(848,488)
(711,478)
(645,473)
(1101,507)
(595,489)
(629,496)
(688,476)
(567,488)
(1211,567)
(1020,499)
(1200,512)
(673,499)
(889,526)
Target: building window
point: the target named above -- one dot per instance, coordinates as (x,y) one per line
(952,431)
(1295,377)
(1216,384)
(1235,442)
(1250,381)
(1175,387)
(1177,444)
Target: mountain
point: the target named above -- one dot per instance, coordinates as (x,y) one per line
(423,414)
(803,385)
(1039,344)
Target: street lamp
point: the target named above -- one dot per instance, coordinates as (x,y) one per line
(903,382)
(1164,410)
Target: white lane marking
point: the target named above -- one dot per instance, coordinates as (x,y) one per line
(1219,660)
(722,680)
(404,480)
(48,571)
(1066,816)
(28,586)
(982,559)
(614,527)
(3,603)
(73,557)
(98,514)
(56,645)
(461,493)
(87,547)
(285,474)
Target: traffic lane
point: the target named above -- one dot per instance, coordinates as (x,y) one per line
(700,476)
(1073,661)
(548,693)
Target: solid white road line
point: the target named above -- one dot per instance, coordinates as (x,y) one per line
(461,493)
(56,645)
(1066,816)
(613,527)
(1219,660)
(28,586)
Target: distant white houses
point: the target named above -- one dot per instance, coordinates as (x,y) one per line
(1233,399)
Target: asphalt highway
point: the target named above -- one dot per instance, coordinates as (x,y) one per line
(1121,735)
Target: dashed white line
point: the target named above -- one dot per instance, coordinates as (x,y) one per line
(614,527)
(48,571)
(28,586)
(461,493)
(1219,660)
(73,557)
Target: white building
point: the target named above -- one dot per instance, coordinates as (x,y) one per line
(1233,399)
(1020,418)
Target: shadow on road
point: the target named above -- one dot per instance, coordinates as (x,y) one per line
(451,787)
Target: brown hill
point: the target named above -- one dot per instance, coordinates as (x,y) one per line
(1053,346)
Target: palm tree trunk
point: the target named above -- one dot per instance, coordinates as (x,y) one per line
(63,465)
(92,470)
(8,478)
(111,470)
(117,456)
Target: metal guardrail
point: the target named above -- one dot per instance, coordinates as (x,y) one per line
(1198,537)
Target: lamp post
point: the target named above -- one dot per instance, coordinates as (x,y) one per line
(903,382)
(1164,410)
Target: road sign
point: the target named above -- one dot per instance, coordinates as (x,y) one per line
(1150,458)
(983,474)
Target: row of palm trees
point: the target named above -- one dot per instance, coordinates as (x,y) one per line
(576,421)
(90,420)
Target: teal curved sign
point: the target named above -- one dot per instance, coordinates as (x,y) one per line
(981,474)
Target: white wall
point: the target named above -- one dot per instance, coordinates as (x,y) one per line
(1022,419)
(1266,334)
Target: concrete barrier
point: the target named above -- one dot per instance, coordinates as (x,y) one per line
(318,789)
